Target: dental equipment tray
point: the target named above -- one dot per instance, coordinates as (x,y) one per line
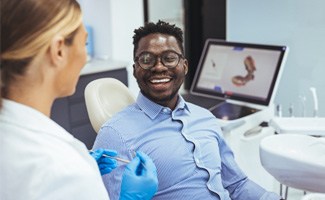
(301,125)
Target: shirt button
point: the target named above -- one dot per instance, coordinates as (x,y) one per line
(197,160)
(165,110)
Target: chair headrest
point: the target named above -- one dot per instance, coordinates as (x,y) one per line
(105,97)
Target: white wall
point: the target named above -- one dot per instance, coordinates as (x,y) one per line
(97,14)
(300,24)
(113,22)
(175,15)
(126,16)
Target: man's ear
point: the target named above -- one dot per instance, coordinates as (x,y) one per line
(134,70)
(185,66)
(57,51)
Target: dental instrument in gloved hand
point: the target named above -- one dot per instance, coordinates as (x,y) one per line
(105,159)
(114,157)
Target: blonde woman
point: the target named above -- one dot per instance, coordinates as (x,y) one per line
(42,53)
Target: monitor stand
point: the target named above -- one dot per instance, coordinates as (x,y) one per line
(205,102)
(220,108)
(229,111)
(238,115)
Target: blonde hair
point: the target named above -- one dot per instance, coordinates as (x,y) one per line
(27,28)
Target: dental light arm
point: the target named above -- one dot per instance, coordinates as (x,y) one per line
(315,99)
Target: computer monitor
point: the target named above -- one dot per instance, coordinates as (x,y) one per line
(243,72)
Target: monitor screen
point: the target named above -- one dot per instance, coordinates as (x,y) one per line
(239,71)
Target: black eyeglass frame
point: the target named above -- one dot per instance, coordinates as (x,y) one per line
(180,56)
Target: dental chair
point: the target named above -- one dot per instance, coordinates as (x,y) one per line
(105,97)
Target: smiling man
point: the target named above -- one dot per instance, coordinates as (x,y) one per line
(159,68)
(184,140)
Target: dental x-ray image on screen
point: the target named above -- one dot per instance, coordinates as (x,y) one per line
(242,72)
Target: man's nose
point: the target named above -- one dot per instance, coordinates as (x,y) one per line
(159,66)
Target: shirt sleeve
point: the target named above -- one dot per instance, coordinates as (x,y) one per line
(109,138)
(240,187)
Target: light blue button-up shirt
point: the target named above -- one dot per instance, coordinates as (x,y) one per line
(192,158)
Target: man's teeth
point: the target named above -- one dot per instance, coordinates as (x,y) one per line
(160,80)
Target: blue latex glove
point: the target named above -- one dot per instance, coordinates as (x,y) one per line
(139,180)
(105,165)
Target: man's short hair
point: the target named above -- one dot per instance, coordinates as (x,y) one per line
(160,27)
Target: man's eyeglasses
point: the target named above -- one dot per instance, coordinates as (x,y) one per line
(169,59)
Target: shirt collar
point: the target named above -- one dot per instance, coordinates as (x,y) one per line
(152,109)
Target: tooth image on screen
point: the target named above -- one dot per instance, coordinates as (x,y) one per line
(250,68)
